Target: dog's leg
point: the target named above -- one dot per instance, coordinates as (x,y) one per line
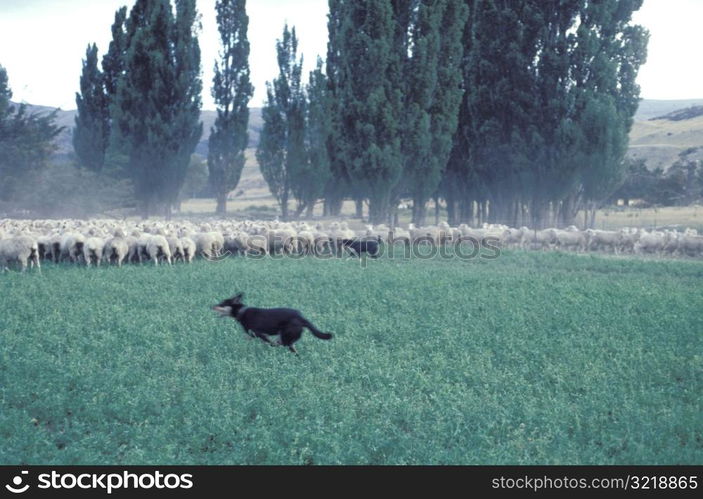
(265,339)
(290,335)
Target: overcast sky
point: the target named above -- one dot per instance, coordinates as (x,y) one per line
(42,44)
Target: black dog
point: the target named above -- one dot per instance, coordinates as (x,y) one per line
(286,323)
(359,246)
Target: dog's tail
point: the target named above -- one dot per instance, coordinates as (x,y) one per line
(316,332)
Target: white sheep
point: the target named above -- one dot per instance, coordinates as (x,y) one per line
(93,251)
(652,242)
(116,249)
(189,248)
(72,246)
(690,244)
(603,239)
(21,249)
(574,239)
(157,248)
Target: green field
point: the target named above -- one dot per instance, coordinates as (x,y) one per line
(530,358)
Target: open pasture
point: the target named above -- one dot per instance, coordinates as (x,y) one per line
(530,358)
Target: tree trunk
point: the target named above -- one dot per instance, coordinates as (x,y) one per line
(419,213)
(299,210)
(359,208)
(221,208)
(452,218)
(466,211)
(515,213)
(540,214)
(284,206)
(569,209)
(309,210)
(379,208)
(436,210)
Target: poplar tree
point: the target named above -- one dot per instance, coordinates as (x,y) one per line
(91,133)
(369,103)
(232,90)
(281,151)
(312,178)
(157,104)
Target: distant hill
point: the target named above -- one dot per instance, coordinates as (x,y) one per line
(659,139)
(662,129)
(67,119)
(650,108)
(682,114)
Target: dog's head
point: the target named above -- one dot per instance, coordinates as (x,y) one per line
(230,306)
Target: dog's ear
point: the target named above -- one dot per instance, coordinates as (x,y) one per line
(238,298)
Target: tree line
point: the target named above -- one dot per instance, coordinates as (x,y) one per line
(508,111)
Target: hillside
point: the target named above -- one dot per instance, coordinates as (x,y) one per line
(66,119)
(659,141)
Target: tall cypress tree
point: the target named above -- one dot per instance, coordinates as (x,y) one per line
(158,100)
(271,150)
(281,152)
(186,101)
(370,104)
(92,131)
(609,52)
(312,178)
(550,94)
(432,96)
(337,186)
(232,90)
(113,61)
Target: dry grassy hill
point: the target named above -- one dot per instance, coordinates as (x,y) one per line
(660,139)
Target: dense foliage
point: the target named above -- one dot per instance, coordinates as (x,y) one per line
(232,90)
(281,152)
(26,142)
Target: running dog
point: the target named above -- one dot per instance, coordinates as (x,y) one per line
(286,323)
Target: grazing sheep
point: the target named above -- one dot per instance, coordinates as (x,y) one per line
(54,247)
(21,249)
(189,248)
(209,244)
(44,245)
(603,239)
(157,248)
(691,244)
(176,248)
(515,238)
(72,247)
(652,242)
(540,239)
(282,240)
(306,240)
(116,249)
(93,251)
(574,239)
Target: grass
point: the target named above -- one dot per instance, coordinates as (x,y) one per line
(527,359)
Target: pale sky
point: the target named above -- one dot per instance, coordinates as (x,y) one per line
(42,44)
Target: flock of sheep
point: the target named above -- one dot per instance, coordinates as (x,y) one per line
(27,242)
